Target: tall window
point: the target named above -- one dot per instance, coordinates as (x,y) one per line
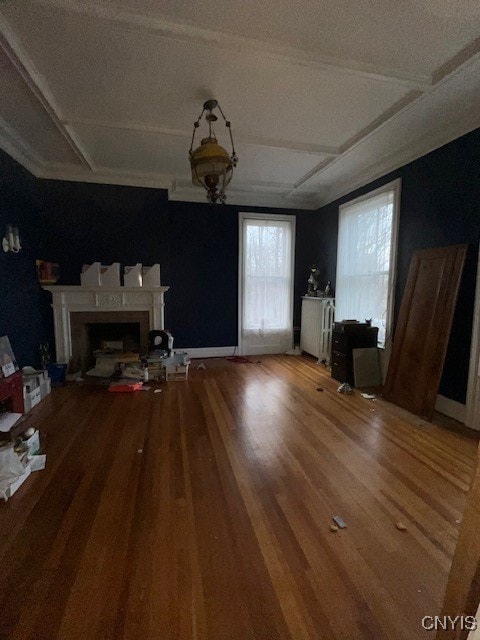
(266,283)
(367,238)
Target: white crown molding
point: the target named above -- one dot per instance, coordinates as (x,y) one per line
(240,44)
(21,151)
(36,83)
(427,144)
(391,162)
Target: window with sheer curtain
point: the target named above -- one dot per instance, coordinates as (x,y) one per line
(366,259)
(267,281)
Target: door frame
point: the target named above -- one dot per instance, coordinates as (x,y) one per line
(245,215)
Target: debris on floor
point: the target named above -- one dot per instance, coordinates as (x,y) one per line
(368,396)
(139,450)
(125,387)
(345,388)
(401,526)
(319,388)
(339,522)
(157,391)
(201,366)
(333,528)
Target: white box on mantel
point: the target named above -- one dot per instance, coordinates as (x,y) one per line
(133,276)
(151,276)
(99,275)
(90,276)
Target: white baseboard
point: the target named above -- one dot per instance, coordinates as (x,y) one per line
(210,352)
(451,408)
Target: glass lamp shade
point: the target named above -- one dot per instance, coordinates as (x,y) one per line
(211,167)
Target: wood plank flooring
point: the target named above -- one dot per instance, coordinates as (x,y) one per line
(203,512)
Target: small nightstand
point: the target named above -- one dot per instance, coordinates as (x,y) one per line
(345,337)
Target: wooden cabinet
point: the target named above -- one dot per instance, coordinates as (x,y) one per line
(316,326)
(345,337)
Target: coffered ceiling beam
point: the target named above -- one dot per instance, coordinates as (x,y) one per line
(37,85)
(252,141)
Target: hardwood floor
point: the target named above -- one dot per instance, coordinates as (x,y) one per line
(204,512)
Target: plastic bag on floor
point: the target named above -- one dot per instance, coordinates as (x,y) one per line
(11,469)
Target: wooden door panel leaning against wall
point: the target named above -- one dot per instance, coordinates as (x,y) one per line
(423,328)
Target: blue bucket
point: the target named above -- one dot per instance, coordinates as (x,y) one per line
(56,373)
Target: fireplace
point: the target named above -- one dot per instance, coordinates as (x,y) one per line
(74,308)
(90,330)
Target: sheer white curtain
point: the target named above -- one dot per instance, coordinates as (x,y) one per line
(267,284)
(364,261)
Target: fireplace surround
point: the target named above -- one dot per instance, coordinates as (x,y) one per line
(96,303)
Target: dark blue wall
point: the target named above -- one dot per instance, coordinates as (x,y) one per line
(197,247)
(440,206)
(23,312)
(195,244)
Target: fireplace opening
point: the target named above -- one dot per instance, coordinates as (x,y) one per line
(93,332)
(122,336)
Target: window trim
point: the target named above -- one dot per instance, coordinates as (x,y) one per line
(396,187)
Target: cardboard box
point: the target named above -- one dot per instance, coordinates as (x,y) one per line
(177,372)
(37,462)
(31,399)
(13,488)
(33,443)
(45,387)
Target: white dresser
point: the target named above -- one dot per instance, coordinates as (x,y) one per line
(316,327)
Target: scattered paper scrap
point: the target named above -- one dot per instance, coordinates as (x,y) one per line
(139,450)
(368,396)
(157,391)
(333,528)
(401,526)
(338,521)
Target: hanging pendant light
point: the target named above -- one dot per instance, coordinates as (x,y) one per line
(212,166)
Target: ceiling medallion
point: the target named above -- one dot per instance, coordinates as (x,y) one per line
(212,166)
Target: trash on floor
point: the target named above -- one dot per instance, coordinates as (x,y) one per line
(339,522)
(201,366)
(368,396)
(333,528)
(125,387)
(400,526)
(157,391)
(238,359)
(345,388)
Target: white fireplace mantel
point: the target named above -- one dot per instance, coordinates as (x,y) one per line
(67,300)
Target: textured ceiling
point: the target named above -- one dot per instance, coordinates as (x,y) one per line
(322,97)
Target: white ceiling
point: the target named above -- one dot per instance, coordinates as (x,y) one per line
(323,95)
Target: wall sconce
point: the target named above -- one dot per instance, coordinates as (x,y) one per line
(11,241)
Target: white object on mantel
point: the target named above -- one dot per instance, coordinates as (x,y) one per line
(151,276)
(98,275)
(133,276)
(67,300)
